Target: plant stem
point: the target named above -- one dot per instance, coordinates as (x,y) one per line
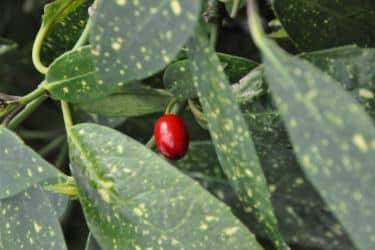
(151,143)
(37,47)
(63,188)
(213,34)
(64,105)
(68,121)
(32,95)
(38,134)
(29,109)
(84,35)
(236,5)
(50,147)
(62,156)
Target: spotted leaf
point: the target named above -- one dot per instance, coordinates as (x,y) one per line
(353,68)
(231,136)
(333,137)
(303,217)
(128,103)
(21,167)
(72,77)
(169,210)
(29,222)
(179,80)
(135,39)
(65,21)
(327,23)
(349,65)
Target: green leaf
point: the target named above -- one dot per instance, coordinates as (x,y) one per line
(349,65)
(135,39)
(29,222)
(231,136)
(129,103)
(72,78)
(353,68)
(6,45)
(303,217)
(200,158)
(333,137)
(179,80)
(65,21)
(21,167)
(321,24)
(168,210)
(91,243)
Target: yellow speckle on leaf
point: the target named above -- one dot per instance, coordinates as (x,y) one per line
(176,7)
(121,2)
(105,195)
(360,142)
(37,227)
(203,226)
(230,231)
(116,46)
(365,93)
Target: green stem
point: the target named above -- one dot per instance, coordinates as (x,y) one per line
(236,5)
(151,143)
(60,160)
(50,147)
(64,105)
(213,34)
(67,115)
(37,47)
(38,43)
(195,110)
(84,36)
(29,109)
(38,134)
(68,188)
(32,96)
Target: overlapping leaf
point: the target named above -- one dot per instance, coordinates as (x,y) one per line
(179,80)
(29,221)
(349,65)
(230,134)
(303,216)
(135,39)
(21,167)
(322,24)
(65,20)
(72,77)
(333,137)
(134,199)
(129,103)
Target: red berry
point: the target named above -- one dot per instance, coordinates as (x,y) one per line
(171,136)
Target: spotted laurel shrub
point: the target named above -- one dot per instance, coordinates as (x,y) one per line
(278,103)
